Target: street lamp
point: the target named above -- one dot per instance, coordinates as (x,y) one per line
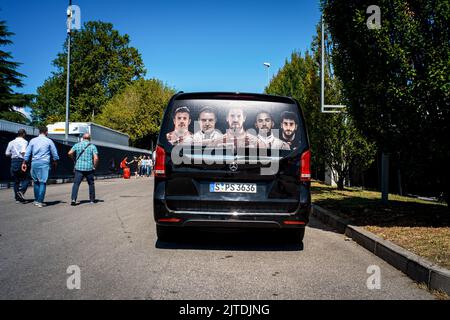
(267,64)
(69,28)
(73,22)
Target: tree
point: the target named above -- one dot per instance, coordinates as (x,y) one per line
(298,78)
(335,141)
(102,64)
(344,146)
(138,110)
(10,78)
(397,81)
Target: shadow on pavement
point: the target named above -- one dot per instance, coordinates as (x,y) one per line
(314,223)
(88,201)
(233,241)
(53,203)
(371,212)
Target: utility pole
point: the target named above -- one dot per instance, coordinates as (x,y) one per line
(69,30)
(325,108)
(267,65)
(331,175)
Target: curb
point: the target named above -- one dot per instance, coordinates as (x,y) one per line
(415,267)
(7,185)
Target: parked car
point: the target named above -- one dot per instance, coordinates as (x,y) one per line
(232,161)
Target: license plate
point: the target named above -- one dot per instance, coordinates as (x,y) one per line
(232,187)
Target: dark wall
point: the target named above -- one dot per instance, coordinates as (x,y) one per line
(110,159)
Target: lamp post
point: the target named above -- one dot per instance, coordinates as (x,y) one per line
(325,108)
(69,28)
(267,65)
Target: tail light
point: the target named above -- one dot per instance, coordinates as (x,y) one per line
(173,220)
(291,222)
(305,166)
(160,162)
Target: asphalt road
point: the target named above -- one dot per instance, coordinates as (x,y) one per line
(114,244)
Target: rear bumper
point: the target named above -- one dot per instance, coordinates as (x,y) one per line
(232,220)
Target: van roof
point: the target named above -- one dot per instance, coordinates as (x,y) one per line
(232,96)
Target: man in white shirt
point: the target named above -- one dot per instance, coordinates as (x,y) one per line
(208,132)
(16,150)
(289,126)
(181,133)
(264,124)
(236,136)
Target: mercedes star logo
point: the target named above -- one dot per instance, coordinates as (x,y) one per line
(233,167)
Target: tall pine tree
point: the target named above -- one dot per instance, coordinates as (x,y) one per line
(10,79)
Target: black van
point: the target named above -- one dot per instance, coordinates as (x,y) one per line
(233,161)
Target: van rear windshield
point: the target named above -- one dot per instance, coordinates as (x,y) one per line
(233,123)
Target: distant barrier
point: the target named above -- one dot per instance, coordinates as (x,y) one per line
(109,157)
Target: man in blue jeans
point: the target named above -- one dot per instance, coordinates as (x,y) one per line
(16,150)
(41,151)
(85,155)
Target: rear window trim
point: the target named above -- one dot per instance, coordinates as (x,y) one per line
(234,96)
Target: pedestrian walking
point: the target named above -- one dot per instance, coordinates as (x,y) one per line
(16,150)
(40,151)
(85,155)
(125,169)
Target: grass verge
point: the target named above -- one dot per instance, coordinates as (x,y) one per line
(422,227)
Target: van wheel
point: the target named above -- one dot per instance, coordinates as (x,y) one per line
(165,233)
(295,235)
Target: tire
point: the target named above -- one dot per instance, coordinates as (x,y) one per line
(295,235)
(165,233)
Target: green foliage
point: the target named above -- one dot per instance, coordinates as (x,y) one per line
(102,64)
(335,141)
(14,116)
(397,80)
(138,110)
(344,146)
(298,78)
(10,78)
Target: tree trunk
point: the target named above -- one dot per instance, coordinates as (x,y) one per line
(340,182)
(363,180)
(399,181)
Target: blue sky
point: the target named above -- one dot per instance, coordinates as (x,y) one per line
(190,45)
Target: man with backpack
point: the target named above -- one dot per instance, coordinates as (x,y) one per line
(16,151)
(85,155)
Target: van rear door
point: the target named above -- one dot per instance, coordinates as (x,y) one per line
(233,153)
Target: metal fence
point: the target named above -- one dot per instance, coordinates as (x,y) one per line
(7,126)
(110,154)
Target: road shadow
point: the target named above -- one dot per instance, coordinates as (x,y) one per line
(232,241)
(315,223)
(53,203)
(88,202)
(27,201)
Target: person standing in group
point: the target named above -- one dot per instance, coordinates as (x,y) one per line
(16,150)
(134,166)
(85,155)
(41,151)
(141,166)
(144,165)
(150,166)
